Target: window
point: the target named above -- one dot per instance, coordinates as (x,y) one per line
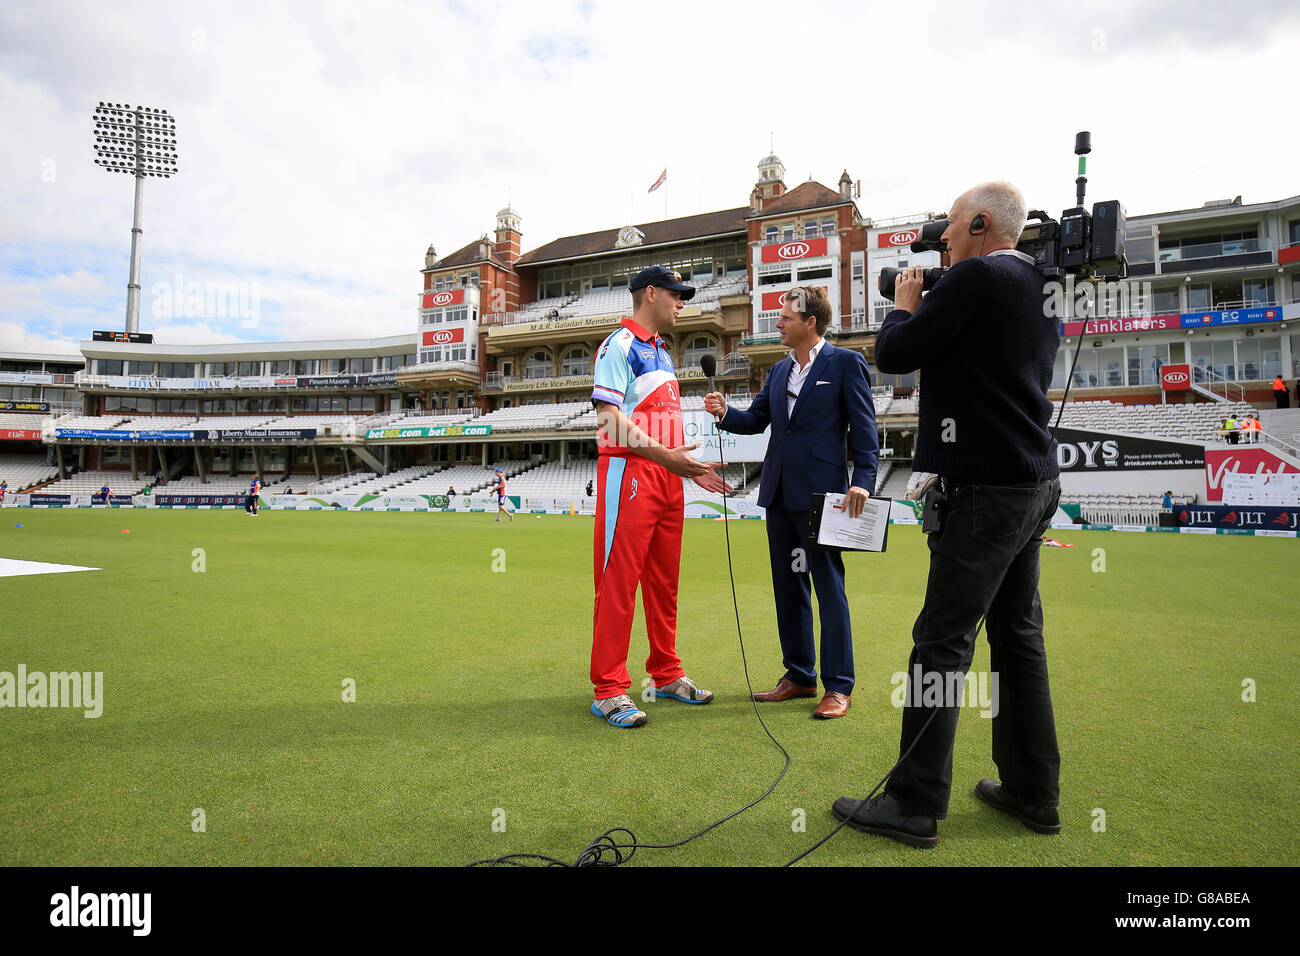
(1165,301)
(1257,292)
(1145,362)
(108,366)
(828,226)
(250,368)
(810,229)
(304,367)
(787,233)
(577,361)
(1198,297)
(139,368)
(769,235)
(538,366)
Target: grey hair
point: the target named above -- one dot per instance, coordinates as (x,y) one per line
(1004,205)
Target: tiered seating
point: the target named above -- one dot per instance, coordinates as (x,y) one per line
(21,471)
(424,421)
(395,482)
(157,423)
(338,420)
(539,310)
(882,476)
(24,420)
(90,421)
(466,479)
(220,484)
(529,417)
(1198,422)
(89,483)
(743,476)
(553,480)
(339,482)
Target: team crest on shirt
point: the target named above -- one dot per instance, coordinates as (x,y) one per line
(647,355)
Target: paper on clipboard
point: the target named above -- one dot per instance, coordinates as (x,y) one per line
(863,533)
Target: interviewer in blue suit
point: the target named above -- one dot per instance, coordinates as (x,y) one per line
(818,402)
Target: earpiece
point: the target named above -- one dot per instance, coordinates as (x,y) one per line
(977,225)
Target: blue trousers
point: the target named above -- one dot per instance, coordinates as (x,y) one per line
(794,566)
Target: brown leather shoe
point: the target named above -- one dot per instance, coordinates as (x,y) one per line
(834,704)
(785,689)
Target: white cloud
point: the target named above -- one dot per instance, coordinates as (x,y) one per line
(322,147)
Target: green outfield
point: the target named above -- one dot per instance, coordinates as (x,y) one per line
(470,737)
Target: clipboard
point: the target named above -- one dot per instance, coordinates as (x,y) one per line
(823,536)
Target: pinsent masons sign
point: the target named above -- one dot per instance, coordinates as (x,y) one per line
(795,249)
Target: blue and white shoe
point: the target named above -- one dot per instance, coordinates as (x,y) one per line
(684,689)
(619,711)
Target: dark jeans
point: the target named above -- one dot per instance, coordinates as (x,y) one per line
(984,563)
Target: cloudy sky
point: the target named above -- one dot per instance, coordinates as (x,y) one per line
(324,145)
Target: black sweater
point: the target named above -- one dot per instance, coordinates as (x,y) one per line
(985,345)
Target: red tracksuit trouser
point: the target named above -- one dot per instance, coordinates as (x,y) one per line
(638,540)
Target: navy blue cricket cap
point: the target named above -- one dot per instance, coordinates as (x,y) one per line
(663,277)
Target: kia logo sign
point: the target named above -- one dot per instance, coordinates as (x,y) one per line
(442,336)
(441,298)
(793,250)
(1177,378)
(903,238)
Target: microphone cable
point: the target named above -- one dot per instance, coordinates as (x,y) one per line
(606,849)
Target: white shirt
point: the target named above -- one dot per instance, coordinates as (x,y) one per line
(798,376)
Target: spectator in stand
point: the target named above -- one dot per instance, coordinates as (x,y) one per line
(1280,393)
(1297,393)
(1230,429)
(1253,429)
(451,490)
(4,490)
(589,491)
(1167,502)
(158,477)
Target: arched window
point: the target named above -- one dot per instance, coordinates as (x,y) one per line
(698,346)
(539,366)
(576,361)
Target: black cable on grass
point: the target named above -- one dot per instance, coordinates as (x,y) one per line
(606,850)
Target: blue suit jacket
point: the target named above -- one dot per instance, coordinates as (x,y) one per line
(834,419)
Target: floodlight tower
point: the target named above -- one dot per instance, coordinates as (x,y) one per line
(139,141)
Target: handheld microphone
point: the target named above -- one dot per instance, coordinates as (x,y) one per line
(709,365)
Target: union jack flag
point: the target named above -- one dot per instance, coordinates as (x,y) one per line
(660,181)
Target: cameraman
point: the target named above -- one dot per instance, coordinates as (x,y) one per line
(985,346)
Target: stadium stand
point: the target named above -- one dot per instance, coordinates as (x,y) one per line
(89,483)
(1194,422)
(529,417)
(22,471)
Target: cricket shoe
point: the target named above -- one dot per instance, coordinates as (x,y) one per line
(619,711)
(684,689)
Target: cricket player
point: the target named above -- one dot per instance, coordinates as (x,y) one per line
(501,498)
(254,489)
(639,500)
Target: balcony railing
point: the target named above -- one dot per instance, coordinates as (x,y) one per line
(1208,250)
